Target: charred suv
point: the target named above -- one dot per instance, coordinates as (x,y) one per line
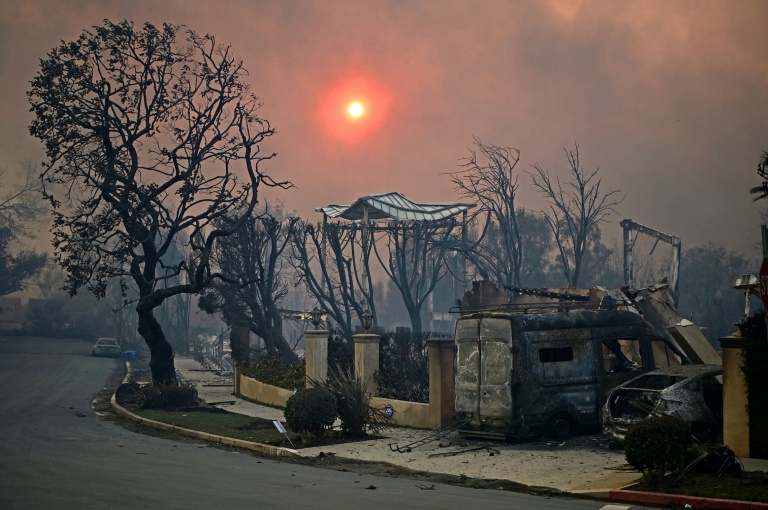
(693,393)
(521,374)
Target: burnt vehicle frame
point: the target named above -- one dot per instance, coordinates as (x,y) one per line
(522,373)
(693,393)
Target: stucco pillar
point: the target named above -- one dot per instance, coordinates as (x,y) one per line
(442,406)
(240,343)
(367,358)
(735,417)
(316,355)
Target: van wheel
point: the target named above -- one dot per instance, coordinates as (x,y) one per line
(558,427)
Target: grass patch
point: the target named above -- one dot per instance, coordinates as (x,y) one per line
(222,423)
(747,486)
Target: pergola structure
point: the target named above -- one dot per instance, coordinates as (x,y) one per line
(393,206)
(379,213)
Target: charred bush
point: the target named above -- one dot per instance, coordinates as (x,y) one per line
(657,446)
(353,396)
(169,396)
(310,412)
(272,368)
(403,367)
(341,355)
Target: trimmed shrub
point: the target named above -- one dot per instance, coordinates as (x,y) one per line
(169,396)
(657,446)
(310,412)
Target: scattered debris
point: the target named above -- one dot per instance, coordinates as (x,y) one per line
(492,451)
(433,437)
(79,414)
(426,487)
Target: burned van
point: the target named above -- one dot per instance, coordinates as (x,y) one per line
(520,374)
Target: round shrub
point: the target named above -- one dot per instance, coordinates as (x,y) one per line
(657,446)
(311,411)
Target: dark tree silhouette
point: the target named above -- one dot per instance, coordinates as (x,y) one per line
(415,259)
(152,135)
(488,177)
(762,170)
(575,209)
(20,207)
(253,257)
(332,262)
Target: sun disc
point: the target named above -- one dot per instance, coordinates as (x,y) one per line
(356,109)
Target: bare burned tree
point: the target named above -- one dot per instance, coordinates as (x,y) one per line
(415,260)
(333,265)
(574,210)
(153,135)
(488,177)
(253,257)
(332,262)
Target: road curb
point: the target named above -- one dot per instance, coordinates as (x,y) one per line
(661,499)
(266,449)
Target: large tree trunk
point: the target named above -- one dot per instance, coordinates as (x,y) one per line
(161,361)
(415,316)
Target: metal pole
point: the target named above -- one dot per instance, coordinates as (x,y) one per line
(463,253)
(364,242)
(764,231)
(674,271)
(629,276)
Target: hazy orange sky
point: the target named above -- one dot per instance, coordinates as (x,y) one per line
(668,98)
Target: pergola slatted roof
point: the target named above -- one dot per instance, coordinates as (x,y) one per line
(393,206)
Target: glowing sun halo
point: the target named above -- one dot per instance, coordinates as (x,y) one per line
(353,109)
(356,109)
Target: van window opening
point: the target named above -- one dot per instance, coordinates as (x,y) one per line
(555,354)
(621,355)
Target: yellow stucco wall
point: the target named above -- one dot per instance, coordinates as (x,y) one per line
(264,393)
(407,414)
(735,417)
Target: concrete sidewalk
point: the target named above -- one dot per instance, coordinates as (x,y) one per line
(583,464)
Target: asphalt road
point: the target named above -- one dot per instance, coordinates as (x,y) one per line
(52,457)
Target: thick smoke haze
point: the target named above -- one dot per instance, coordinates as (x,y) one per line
(668,98)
